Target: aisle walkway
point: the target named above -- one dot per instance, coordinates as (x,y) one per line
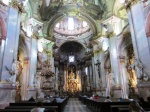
(74,105)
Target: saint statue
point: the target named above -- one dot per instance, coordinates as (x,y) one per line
(110,82)
(71,75)
(138,67)
(131,71)
(14,71)
(20,68)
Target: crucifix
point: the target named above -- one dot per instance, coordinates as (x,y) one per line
(98,68)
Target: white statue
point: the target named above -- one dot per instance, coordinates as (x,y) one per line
(138,67)
(111,78)
(110,82)
(100,83)
(14,71)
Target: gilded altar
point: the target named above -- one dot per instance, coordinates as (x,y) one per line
(72,83)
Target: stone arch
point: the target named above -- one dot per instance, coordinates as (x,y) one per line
(125,40)
(23,56)
(126,54)
(148,25)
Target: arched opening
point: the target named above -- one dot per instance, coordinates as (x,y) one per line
(128,75)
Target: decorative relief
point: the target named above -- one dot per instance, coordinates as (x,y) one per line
(4,96)
(83,35)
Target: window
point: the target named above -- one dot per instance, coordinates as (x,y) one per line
(70,23)
(57,25)
(71,58)
(84,24)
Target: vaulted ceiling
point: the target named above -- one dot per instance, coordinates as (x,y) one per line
(51,12)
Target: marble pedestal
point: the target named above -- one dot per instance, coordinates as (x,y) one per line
(117,92)
(7,94)
(32,92)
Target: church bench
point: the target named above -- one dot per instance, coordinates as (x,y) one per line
(123,110)
(106,106)
(22,110)
(31,107)
(99,104)
(60,105)
(114,108)
(146,108)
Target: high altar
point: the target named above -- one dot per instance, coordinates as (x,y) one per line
(72,83)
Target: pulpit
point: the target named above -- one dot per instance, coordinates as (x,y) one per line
(47,84)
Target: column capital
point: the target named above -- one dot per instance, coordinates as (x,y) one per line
(109,25)
(36,26)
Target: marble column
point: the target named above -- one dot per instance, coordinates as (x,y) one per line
(94,74)
(56,78)
(65,80)
(138,34)
(11,44)
(114,59)
(2,47)
(9,50)
(33,61)
(123,77)
(25,79)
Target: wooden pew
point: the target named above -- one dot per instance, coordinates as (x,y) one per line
(123,109)
(106,106)
(114,108)
(20,110)
(61,104)
(51,108)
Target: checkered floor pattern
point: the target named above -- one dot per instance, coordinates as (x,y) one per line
(74,105)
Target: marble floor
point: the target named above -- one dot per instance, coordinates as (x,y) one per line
(74,105)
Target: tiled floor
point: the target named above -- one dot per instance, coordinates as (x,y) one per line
(74,105)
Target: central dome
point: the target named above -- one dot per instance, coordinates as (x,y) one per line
(71,26)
